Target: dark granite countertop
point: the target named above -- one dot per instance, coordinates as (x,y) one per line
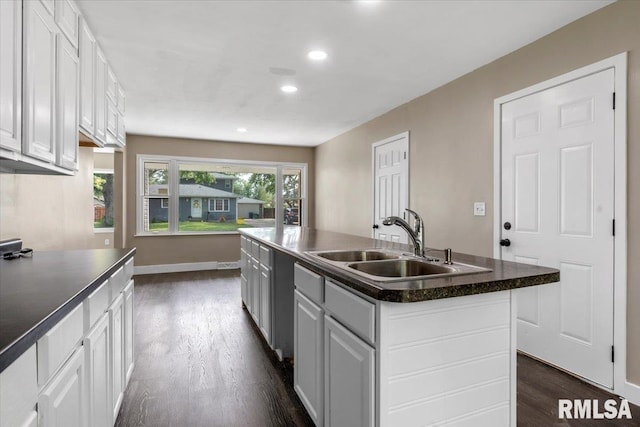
(37,292)
(504,275)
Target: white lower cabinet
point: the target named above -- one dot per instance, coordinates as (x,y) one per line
(97,359)
(307,351)
(116,317)
(63,402)
(265,302)
(19,392)
(254,286)
(128,333)
(349,377)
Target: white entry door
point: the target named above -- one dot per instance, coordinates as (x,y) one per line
(196,207)
(390,186)
(557,198)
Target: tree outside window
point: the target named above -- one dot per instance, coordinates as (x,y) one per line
(103,199)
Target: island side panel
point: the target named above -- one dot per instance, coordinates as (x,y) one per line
(283,305)
(445,360)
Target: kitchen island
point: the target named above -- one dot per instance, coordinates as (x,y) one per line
(428,351)
(66,336)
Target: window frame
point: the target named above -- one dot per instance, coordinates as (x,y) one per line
(174,196)
(215,199)
(104,229)
(162,203)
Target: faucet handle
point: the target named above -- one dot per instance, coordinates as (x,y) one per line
(417,219)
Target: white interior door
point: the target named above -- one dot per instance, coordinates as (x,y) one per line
(390,186)
(557,195)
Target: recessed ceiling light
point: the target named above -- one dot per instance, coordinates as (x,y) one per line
(317,55)
(289,89)
(242,130)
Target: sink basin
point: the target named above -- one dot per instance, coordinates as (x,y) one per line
(401,268)
(353,256)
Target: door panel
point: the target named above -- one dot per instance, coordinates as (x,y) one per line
(557,191)
(391,188)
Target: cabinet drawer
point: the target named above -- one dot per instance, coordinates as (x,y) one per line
(243,242)
(309,283)
(356,313)
(96,305)
(116,283)
(128,270)
(57,344)
(265,256)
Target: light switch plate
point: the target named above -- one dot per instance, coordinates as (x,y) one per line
(479,209)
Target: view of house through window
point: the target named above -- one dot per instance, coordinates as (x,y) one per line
(188,196)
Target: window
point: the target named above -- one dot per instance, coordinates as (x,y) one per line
(103,199)
(191,195)
(219,205)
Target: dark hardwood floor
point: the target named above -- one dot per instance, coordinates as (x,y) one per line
(200,361)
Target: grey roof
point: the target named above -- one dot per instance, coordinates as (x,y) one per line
(217,175)
(198,190)
(247,200)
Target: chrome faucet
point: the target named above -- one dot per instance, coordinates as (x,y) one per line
(416,233)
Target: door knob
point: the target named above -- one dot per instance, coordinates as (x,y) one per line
(376,226)
(505,242)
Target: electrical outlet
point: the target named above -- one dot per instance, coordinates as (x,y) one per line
(106,242)
(479,209)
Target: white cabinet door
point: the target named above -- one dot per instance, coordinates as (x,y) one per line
(128,333)
(19,391)
(254,285)
(39,51)
(307,353)
(112,122)
(11,75)
(349,375)
(122,135)
(97,355)
(62,403)
(67,104)
(265,302)
(116,313)
(67,17)
(243,289)
(101,97)
(88,86)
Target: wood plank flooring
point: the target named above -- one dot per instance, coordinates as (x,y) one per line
(200,361)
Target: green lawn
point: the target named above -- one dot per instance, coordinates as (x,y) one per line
(198,226)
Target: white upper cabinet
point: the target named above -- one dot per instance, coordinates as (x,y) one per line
(39,82)
(10,75)
(67,17)
(121,99)
(88,86)
(112,86)
(67,107)
(101,98)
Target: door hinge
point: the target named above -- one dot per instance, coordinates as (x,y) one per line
(613,355)
(405,155)
(614,100)
(613,227)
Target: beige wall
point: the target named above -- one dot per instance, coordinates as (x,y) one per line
(153,250)
(49,212)
(451,146)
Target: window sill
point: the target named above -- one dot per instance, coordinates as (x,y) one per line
(103,230)
(184,233)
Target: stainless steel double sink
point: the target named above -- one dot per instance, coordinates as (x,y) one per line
(387,265)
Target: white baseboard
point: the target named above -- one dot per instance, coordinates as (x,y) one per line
(632,394)
(188,266)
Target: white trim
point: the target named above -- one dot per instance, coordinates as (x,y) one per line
(188,266)
(632,394)
(619,64)
(215,199)
(162,203)
(373,172)
(103,230)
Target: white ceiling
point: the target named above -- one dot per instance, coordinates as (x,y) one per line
(201,69)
